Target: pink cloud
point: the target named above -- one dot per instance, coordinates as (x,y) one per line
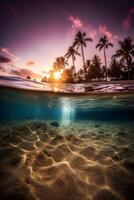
(4,59)
(8,53)
(31,63)
(2,69)
(127,22)
(91,31)
(25,72)
(104,30)
(76,22)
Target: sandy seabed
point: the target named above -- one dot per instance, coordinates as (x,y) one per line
(81,161)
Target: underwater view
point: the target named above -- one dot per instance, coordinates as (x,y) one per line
(62,146)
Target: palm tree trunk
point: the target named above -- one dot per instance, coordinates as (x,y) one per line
(105,59)
(73,62)
(128,67)
(128,72)
(83,57)
(74,70)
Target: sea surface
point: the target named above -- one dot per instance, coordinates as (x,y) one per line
(66,142)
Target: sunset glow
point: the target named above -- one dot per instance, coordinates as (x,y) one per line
(57,75)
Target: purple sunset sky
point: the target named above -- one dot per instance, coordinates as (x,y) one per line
(34,32)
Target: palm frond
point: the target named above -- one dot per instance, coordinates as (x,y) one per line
(89,39)
(98,45)
(101,47)
(77,53)
(117,55)
(110,44)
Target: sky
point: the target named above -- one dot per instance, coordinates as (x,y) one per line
(34,32)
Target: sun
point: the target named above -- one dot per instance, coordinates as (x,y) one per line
(57,75)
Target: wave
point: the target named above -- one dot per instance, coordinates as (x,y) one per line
(88,88)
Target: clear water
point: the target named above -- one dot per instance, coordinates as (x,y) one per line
(66,147)
(25,105)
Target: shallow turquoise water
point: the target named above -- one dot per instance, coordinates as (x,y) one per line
(60,146)
(28,105)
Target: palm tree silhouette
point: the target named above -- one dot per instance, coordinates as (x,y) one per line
(60,62)
(115,69)
(96,67)
(80,41)
(71,53)
(104,44)
(125,52)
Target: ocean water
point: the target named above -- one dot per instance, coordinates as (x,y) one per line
(55,145)
(30,105)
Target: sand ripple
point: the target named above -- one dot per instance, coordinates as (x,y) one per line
(39,161)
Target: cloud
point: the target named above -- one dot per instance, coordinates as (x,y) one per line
(2,69)
(10,66)
(127,22)
(77,24)
(4,59)
(31,63)
(7,61)
(24,73)
(105,31)
(8,53)
(91,31)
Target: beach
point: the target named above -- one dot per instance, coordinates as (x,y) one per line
(82,161)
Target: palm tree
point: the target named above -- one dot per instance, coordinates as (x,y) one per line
(88,66)
(60,62)
(104,44)
(95,68)
(115,69)
(80,41)
(71,53)
(125,52)
(80,74)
